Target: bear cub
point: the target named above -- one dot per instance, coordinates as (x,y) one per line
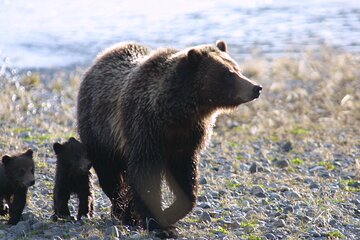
(16,176)
(73,176)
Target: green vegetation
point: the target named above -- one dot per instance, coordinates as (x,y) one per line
(297,161)
(336,235)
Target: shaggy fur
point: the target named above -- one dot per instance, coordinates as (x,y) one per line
(144,115)
(73,176)
(16,176)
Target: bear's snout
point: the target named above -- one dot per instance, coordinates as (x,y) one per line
(32,183)
(257,90)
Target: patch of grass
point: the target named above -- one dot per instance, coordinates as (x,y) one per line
(32,80)
(336,235)
(192,220)
(233,185)
(328,165)
(42,165)
(252,237)
(19,130)
(297,161)
(221,230)
(299,131)
(233,144)
(251,223)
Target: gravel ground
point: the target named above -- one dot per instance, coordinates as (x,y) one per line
(284,167)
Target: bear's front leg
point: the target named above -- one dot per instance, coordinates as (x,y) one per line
(61,198)
(147,197)
(86,203)
(181,176)
(17,206)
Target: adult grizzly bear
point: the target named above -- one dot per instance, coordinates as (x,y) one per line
(145,114)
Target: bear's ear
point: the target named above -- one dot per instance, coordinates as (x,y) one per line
(29,153)
(221,45)
(194,56)
(57,147)
(6,159)
(72,139)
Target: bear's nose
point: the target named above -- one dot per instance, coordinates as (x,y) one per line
(257,90)
(32,182)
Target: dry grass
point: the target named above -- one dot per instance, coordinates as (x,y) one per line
(312,98)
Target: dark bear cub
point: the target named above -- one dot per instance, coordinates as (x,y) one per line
(16,176)
(73,176)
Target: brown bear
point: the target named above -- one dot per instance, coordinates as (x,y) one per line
(72,176)
(16,176)
(146,114)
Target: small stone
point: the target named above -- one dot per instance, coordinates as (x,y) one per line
(270,236)
(316,169)
(253,168)
(314,233)
(112,231)
(279,223)
(258,191)
(202,181)
(204,205)
(288,209)
(39,226)
(274,196)
(245,203)
(281,163)
(333,222)
(20,228)
(292,194)
(202,198)
(250,214)
(2,233)
(314,185)
(56,238)
(287,147)
(205,217)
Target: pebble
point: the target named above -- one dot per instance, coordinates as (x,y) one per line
(204,205)
(2,233)
(316,169)
(279,223)
(270,236)
(258,191)
(112,231)
(253,168)
(20,228)
(314,185)
(245,203)
(205,217)
(287,146)
(202,181)
(288,209)
(281,163)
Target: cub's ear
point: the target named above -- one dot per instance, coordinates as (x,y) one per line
(194,56)
(72,139)
(221,45)
(6,159)
(29,153)
(57,147)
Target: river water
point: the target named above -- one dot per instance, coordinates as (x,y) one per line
(60,33)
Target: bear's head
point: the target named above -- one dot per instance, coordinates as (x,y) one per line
(221,83)
(20,169)
(72,156)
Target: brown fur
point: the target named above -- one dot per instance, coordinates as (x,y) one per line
(16,175)
(146,114)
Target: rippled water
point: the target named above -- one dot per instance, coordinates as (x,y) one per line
(59,33)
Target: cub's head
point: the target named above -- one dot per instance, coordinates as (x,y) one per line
(72,156)
(221,83)
(20,169)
